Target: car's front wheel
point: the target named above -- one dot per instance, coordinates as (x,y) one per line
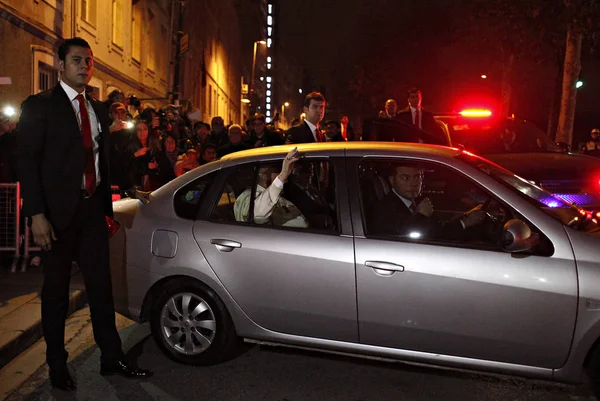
(191,324)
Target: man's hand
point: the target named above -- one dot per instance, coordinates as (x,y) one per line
(141,152)
(474,217)
(140,195)
(288,164)
(425,207)
(117,125)
(153,165)
(43,234)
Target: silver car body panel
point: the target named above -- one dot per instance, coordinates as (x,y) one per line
(137,270)
(587,330)
(308,290)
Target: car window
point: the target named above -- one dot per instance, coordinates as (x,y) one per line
(306,201)
(425,202)
(187,199)
(238,180)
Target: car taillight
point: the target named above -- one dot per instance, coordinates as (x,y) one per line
(112,225)
(476,113)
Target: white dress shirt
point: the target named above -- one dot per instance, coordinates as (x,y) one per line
(269,206)
(313,129)
(94,123)
(407,202)
(413,112)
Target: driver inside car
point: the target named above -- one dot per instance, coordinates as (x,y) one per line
(270,207)
(404,213)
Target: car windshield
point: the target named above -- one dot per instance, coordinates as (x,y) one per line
(494,137)
(558,209)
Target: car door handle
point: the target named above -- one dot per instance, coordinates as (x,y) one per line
(384,268)
(225,245)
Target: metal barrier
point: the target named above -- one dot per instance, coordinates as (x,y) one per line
(10,221)
(11,236)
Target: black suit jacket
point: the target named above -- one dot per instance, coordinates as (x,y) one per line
(427,121)
(315,209)
(300,134)
(51,157)
(393,218)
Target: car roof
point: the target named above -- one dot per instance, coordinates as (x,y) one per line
(358,148)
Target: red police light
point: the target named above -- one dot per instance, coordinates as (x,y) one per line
(475,113)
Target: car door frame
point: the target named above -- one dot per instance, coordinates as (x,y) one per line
(337,161)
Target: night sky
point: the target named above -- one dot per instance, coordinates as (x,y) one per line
(436,45)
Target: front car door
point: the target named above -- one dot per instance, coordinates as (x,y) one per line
(292,272)
(454,293)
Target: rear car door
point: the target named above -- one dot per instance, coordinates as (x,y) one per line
(289,278)
(457,295)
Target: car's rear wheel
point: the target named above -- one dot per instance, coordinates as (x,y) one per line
(593,370)
(191,324)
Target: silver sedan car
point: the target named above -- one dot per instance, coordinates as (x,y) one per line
(398,251)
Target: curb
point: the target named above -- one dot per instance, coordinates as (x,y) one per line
(10,350)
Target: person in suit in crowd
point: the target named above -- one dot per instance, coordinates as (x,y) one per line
(307,132)
(415,115)
(64,158)
(332,131)
(346,129)
(401,212)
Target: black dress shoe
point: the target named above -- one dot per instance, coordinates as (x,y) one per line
(124,369)
(62,380)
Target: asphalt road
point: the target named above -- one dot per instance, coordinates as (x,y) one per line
(279,374)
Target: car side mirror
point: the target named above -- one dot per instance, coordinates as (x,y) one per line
(518,237)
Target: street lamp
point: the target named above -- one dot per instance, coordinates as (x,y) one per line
(256,43)
(283,106)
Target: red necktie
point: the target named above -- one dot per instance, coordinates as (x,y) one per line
(319,135)
(88,146)
(418,118)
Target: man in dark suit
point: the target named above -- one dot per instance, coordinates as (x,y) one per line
(401,214)
(415,115)
(308,131)
(302,192)
(64,154)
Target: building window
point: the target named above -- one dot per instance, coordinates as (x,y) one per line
(163,54)
(117,23)
(88,11)
(48,77)
(136,33)
(151,53)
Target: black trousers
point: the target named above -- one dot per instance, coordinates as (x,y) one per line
(85,241)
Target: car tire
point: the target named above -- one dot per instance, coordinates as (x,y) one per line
(593,371)
(191,324)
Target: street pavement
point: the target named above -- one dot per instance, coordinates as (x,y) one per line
(264,373)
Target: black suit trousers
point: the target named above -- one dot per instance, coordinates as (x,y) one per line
(84,240)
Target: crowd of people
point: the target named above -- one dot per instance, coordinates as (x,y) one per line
(159,145)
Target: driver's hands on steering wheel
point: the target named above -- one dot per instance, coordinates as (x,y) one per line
(474,216)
